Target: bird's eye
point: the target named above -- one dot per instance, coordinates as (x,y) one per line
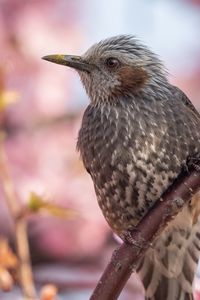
(112,63)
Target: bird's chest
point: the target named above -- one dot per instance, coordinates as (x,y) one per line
(129,169)
(106,142)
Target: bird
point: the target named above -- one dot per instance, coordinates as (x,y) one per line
(136,137)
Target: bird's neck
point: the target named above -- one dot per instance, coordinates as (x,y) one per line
(155,90)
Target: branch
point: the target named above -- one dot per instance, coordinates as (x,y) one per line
(21,236)
(124,259)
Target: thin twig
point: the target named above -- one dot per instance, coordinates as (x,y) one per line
(124,259)
(21,236)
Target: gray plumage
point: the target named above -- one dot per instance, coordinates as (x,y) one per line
(136,136)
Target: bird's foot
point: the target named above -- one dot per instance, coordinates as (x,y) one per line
(193,162)
(133,238)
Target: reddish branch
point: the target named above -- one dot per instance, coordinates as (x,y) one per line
(124,259)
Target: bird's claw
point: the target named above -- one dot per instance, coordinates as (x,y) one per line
(128,237)
(193,162)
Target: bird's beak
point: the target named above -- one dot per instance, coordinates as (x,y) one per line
(71,61)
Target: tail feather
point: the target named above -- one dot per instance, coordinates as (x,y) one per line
(170,290)
(167,270)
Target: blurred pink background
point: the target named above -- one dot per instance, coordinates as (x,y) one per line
(42,126)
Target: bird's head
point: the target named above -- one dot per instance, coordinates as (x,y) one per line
(115,67)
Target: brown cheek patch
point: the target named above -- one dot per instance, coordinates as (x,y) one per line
(131,79)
